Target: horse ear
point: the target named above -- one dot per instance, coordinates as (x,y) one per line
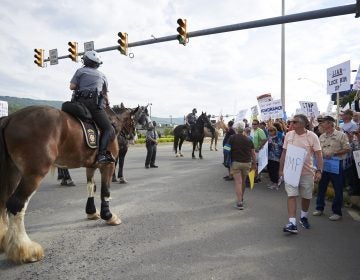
(122,106)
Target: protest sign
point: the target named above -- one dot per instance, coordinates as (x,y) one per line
(3,109)
(309,108)
(357,161)
(294,162)
(263,157)
(338,78)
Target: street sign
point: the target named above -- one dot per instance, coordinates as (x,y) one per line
(338,78)
(53,57)
(89,46)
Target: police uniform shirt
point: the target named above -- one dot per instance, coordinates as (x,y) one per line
(87,78)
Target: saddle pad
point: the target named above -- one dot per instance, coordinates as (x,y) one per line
(91,134)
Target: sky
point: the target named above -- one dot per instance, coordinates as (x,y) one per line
(217,74)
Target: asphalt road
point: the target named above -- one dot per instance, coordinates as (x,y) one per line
(179,222)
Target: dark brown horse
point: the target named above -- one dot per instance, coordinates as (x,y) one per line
(32,141)
(140,116)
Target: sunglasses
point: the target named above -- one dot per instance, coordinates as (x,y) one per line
(295,121)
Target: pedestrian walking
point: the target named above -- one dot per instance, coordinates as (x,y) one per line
(305,139)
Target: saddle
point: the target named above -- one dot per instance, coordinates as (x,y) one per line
(80,112)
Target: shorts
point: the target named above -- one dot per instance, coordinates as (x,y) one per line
(240,167)
(305,189)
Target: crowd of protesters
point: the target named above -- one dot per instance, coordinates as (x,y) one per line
(321,138)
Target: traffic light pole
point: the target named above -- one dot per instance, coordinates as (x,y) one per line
(323,13)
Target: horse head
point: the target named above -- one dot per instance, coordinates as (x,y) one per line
(142,117)
(203,120)
(124,120)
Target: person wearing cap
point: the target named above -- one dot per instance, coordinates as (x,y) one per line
(333,143)
(307,140)
(90,87)
(151,146)
(348,125)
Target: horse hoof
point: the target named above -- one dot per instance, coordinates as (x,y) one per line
(181,155)
(114,180)
(94,216)
(114,220)
(200,157)
(177,155)
(215,149)
(211,149)
(25,252)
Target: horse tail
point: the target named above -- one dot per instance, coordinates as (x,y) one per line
(5,162)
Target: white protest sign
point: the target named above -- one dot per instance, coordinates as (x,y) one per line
(308,108)
(338,77)
(241,115)
(254,111)
(357,161)
(272,109)
(294,162)
(265,98)
(356,85)
(263,157)
(329,108)
(4,109)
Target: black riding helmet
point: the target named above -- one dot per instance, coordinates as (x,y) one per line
(194,111)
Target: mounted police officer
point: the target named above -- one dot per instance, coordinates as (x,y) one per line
(191,120)
(90,88)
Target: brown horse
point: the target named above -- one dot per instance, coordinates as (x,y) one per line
(32,141)
(220,124)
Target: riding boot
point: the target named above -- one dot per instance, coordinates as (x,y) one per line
(104,156)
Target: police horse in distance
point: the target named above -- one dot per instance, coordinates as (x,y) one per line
(34,140)
(197,135)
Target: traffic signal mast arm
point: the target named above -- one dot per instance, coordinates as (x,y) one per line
(316,14)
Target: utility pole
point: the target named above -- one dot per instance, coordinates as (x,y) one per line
(283,57)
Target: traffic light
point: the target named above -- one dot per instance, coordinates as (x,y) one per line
(123,42)
(182,31)
(39,55)
(73,50)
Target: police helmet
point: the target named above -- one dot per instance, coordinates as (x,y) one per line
(92,59)
(194,111)
(154,123)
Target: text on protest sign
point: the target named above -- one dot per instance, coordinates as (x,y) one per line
(272,109)
(356,85)
(308,108)
(357,161)
(294,162)
(338,78)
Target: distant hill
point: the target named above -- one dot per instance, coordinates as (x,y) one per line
(16,103)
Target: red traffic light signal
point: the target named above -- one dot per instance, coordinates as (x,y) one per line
(73,50)
(39,57)
(182,37)
(123,42)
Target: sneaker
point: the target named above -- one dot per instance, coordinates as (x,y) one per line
(229,178)
(273,187)
(318,213)
(335,217)
(239,205)
(225,177)
(290,227)
(304,222)
(122,180)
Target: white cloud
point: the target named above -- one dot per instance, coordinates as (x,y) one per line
(223,72)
